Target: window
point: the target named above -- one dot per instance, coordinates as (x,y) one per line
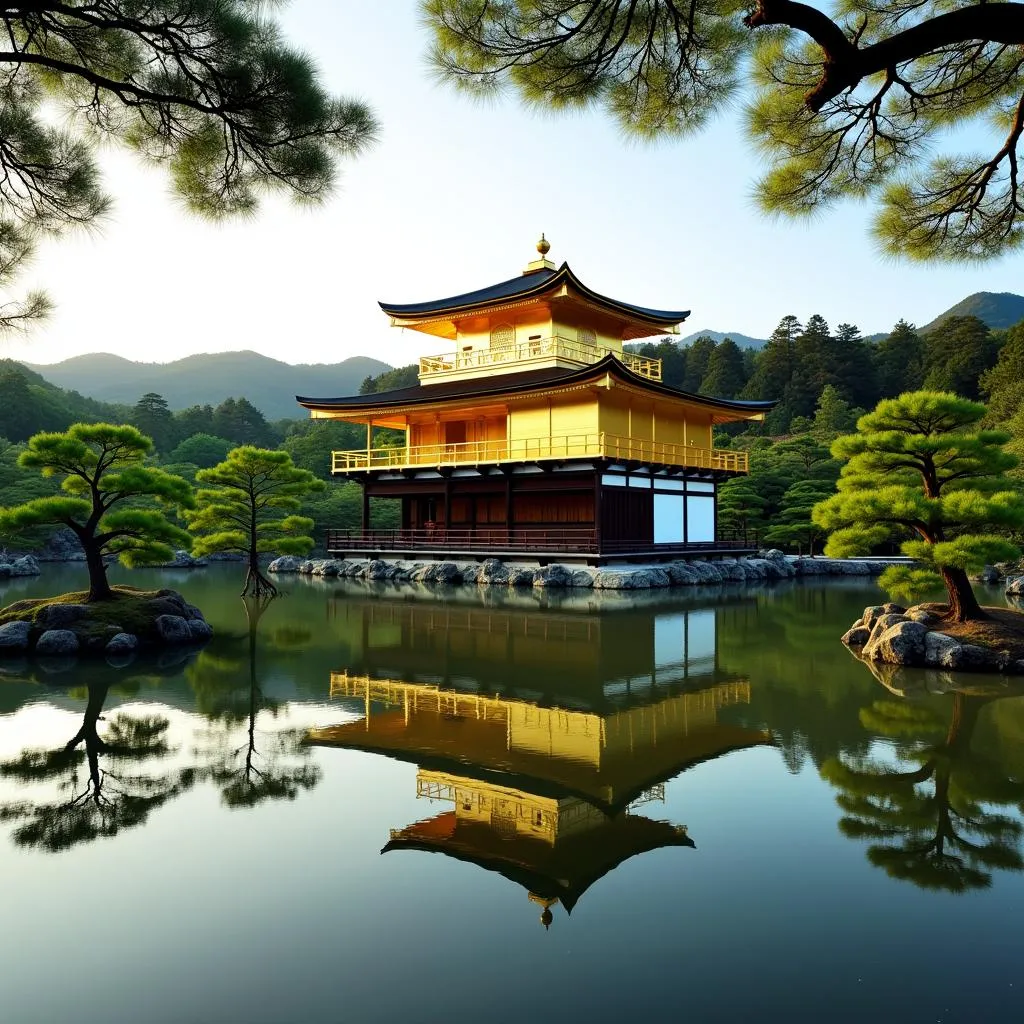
(503,337)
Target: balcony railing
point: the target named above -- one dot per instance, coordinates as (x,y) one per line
(566,446)
(519,539)
(539,348)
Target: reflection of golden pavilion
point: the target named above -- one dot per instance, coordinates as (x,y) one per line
(556,848)
(608,759)
(545,796)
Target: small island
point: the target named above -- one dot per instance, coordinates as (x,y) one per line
(922,470)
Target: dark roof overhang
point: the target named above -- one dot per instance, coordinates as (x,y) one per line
(532,285)
(526,382)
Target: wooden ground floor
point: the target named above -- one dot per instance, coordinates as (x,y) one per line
(590,510)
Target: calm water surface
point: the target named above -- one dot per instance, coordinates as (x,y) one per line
(401,804)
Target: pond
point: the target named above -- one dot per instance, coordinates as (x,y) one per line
(401,804)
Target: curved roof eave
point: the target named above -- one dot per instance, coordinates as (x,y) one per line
(526,286)
(537,381)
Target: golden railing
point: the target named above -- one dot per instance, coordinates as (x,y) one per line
(538,348)
(565,446)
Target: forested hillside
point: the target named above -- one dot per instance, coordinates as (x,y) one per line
(269,384)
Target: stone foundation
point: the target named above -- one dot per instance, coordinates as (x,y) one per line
(493,572)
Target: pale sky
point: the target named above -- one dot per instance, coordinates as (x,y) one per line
(453,197)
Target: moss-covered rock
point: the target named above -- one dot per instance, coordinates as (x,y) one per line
(140,614)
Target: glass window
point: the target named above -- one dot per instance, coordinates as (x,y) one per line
(700,519)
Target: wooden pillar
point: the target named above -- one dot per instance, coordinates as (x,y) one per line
(366,507)
(369,435)
(597,508)
(447,503)
(508,505)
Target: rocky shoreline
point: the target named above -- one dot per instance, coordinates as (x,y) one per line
(908,637)
(772,565)
(118,629)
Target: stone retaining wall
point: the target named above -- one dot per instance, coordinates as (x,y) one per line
(493,572)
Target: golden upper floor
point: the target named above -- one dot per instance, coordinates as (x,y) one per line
(546,317)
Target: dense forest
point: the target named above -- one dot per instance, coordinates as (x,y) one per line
(823,380)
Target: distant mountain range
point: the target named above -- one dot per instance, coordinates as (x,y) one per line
(997,309)
(210,378)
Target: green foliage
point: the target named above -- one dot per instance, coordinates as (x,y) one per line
(311,442)
(152,415)
(112,501)
(202,450)
(207,88)
(932,819)
(957,353)
(832,416)
(899,361)
(794,526)
(239,421)
(30,404)
(726,373)
(919,470)
(1003,384)
(245,505)
(391,380)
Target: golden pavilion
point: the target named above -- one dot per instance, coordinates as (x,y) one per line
(539,434)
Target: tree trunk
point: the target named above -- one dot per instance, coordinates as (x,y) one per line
(99,588)
(963,605)
(255,582)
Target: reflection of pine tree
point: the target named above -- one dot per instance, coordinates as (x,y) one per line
(225,680)
(933,825)
(111,796)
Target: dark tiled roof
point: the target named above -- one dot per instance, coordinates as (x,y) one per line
(534,283)
(525,381)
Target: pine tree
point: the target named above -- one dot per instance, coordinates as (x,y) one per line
(899,361)
(244,507)
(698,356)
(114,503)
(812,367)
(832,417)
(206,88)
(919,467)
(152,415)
(957,353)
(775,364)
(740,509)
(725,376)
(1003,385)
(238,420)
(794,525)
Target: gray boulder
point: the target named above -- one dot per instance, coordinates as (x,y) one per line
(378,569)
(199,630)
(707,572)
(552,576)
(173,629)
(6,570)
(681,575)
(492,571)
(166,605)
(286,563)
(1015,586)
(25,566)
(306,567)
(942,651)
(901,644)
(922,615)
(190,611)
(871,614)
(989,574)
(857,636)
(980,659)
(57,642)
(881,624)
(442,572)
(521,577)
(122,643)
(732,570)
(333,567)
(14,637)
(623,579)
(582,578)
(772,555)
(60,616)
